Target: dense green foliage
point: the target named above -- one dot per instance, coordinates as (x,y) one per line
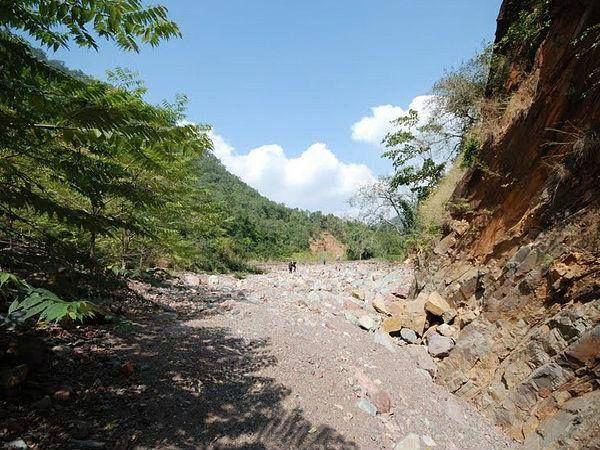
(100,178)
(260,229)
(44,304)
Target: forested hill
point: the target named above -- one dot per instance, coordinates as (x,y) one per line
(263,229)
(252,227)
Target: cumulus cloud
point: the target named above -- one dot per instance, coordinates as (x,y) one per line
(314,180)
(373,128)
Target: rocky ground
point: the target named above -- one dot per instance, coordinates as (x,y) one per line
(273,361)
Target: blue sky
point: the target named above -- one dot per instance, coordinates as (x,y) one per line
(292,75)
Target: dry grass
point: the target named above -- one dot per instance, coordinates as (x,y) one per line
(497,114)
(433,209)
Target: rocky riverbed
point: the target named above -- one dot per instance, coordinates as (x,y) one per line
(271,361)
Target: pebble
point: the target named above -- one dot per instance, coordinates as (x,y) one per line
(16,444)
(410,442)
(367,406)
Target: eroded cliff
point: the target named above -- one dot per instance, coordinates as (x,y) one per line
(520,255)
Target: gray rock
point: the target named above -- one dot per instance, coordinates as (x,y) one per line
(409,335)
(439,346)
(419,355)
(410,442)
(449,315)
(16,444)
(213,281)
(351,318)
(385,340)
(367,322)
(367,406)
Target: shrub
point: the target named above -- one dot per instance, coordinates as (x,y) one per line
(43,303)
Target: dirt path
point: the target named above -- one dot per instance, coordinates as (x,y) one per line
(268,362)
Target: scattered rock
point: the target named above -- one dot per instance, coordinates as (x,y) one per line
(367,322)
(438,345)
(379,305)
(351,318)
(384,339)
(447,330)
(445,244)
(392,324)
(409,314)
(213,280)
(16,444)
(449,315)
(409,335)
(469,282)
(358,294)
(367,406)
(465,318)
(63,394)
(460,227)
(436,305)
(410,442)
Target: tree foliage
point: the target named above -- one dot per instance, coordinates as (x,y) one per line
(55,23)
(421,148)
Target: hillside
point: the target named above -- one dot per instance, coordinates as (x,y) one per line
(520,260)
(261,228)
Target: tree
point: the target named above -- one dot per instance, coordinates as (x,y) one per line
(412,150)
(55,23)
(459,92)
(421,147)
(77,152)
(381,204)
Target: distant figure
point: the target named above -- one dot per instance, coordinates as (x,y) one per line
(292,266)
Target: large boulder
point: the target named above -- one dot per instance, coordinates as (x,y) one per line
(438,345)
(379,304)
(436,304)
(407,314)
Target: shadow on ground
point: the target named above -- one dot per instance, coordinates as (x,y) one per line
(168,386)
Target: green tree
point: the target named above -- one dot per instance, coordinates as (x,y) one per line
(55,23)
(412,151)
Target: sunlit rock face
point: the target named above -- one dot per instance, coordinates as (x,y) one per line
(521,265)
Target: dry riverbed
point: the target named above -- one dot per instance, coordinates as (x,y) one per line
(272,361)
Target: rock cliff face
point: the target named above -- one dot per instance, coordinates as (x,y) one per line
(520,261)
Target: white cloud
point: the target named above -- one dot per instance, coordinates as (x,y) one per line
(314,180)
(372,129)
